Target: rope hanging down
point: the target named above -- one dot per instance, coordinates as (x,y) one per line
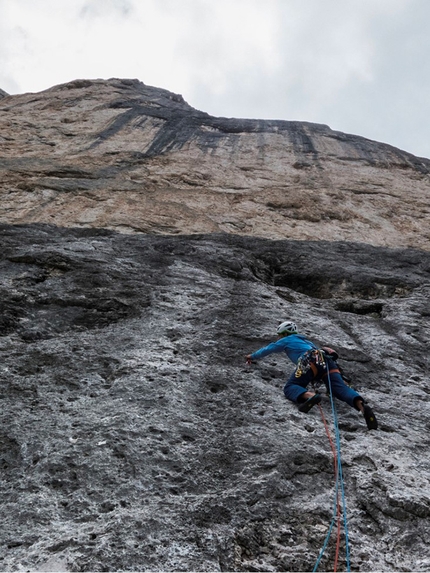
(339,505)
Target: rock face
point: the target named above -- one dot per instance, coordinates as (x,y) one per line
(135,438)
(121,155)
(133,435)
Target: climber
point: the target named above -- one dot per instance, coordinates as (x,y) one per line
(312,365)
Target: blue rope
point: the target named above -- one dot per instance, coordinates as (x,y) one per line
(333,520)
(339,480)
(339,466)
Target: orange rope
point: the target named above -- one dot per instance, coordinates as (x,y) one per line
(336,470)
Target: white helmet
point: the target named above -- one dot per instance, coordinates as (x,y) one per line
(287,327)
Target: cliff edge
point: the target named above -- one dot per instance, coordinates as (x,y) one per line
(125,156)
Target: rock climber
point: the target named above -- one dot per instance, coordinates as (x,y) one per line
(312,364)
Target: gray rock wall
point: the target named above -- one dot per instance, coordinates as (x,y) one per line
(133,436)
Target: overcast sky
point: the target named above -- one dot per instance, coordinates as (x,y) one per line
(360,66)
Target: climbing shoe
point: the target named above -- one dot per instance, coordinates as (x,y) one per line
(310,403)
(370,418)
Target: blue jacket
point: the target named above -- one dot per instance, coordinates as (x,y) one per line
(294,345)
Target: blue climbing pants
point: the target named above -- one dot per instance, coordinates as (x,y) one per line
(297,385)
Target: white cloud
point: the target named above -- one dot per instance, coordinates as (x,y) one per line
(99,8)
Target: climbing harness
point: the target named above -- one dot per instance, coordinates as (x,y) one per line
(312,359)
(339,505)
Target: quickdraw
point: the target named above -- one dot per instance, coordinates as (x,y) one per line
(312,359)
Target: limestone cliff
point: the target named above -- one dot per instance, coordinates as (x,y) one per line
(133,436)
(122,155)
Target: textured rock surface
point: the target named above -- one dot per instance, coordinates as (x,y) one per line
(133,437)
(122,155)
